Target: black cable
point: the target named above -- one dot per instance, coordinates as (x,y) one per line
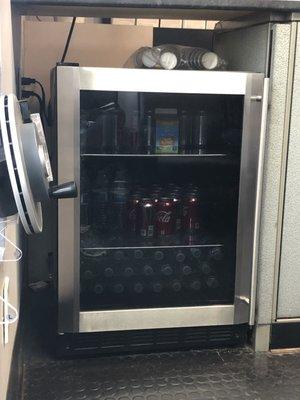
(25,81)
(68,40)
(42,90)
(29,93)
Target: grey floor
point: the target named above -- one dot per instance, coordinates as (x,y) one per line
(192,375)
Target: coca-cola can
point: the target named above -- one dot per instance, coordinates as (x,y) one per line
(191,213)
(132,212)
(165,217)
(146,218)
(177,202)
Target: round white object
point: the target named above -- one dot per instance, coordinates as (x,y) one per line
(209,60)
(168,60)
(149,58)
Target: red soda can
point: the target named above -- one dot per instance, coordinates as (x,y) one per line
(177,202)
(191,213)
(132,212)
(165,217)
(146,218)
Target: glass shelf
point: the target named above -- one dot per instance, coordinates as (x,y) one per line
(157,155)
(93,241)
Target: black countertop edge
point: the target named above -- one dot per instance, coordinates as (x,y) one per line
(249,5)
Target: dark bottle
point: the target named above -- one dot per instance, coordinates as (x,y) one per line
(128,271)
(118,288)
(206,269)
(138,288)
(159,255)
(180,256)
(108,272)
(138,254)
(98,288)
(186,270)
(167,270)
(216,253)
(157,287)
(119,194)
(148,270)
(165,217)
(132,213)
(176,286)
(191,214)
(200,132)
(212,282)
(196,253)
(100,201)
(185,132)
(110,124)
(196,285)
(84,212)
(147,135)
(88,274)
(146,218)
(177,202)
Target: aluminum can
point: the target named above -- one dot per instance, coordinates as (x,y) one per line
(191,213)
(146,218)
(165,217)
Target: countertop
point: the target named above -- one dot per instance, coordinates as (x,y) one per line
(251,5)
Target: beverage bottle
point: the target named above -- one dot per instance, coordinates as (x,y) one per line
(84,212)
(146,218)
(185,132)
(177,202)
(119,195)
(132,212)
(100,201)
(110,125)
(98,288)
(147,142)
(200,132)
(191,213)
(184,57)
(159,255)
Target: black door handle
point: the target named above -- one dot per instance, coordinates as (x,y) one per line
(66,190)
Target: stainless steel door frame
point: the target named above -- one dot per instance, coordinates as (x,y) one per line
(252,157)
(68,160)
(70,80)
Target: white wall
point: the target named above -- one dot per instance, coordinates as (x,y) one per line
(9,269)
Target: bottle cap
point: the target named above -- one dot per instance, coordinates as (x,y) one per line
(168,60)
(150,58)
(209,60)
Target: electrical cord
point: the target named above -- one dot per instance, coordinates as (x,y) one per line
(68,40)
(29,93)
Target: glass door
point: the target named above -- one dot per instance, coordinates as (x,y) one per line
(159,198)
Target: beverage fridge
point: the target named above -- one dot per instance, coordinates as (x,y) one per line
(159,248)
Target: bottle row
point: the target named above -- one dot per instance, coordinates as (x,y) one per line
(156,287)
(156,131)
(174,256)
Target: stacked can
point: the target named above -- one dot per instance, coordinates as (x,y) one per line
(164,213)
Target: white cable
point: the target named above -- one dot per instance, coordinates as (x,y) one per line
(10,242)
(7,319)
